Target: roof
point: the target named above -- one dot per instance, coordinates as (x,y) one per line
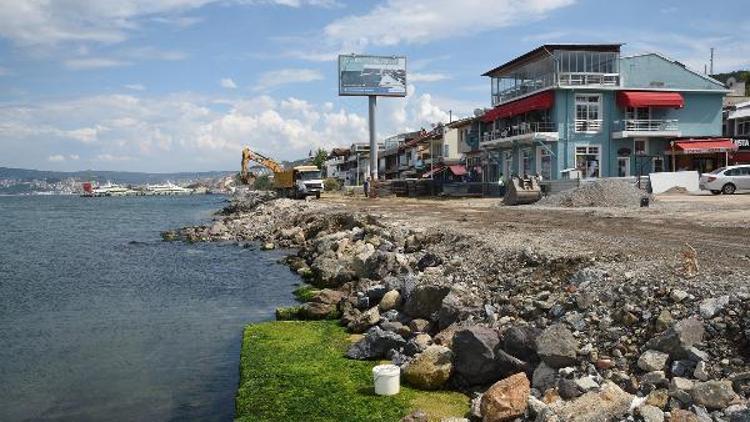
(463,122)
(691,70)
(547,49)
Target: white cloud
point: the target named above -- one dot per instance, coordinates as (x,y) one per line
(135,87)
(56,158)
(228,83)
(151,53)
(94,63)
(427,77)
(423,21)
(280,77)
(184,131)
(74,156)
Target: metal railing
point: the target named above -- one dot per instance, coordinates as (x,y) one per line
(588,125)
(585,78)
(649,125)
(519,129)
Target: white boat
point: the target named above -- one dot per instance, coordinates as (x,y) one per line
(110,189)
(168,188)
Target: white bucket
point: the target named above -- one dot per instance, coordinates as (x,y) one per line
(387,379)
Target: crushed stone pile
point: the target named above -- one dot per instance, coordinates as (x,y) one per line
(600,193)
(247,201)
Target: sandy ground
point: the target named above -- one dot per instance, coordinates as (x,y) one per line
(718,227)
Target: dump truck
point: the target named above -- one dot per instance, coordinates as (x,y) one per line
(522,190)
(297,182)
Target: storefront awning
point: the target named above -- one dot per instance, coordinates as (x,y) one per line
(650,99)
(458,170)
(541,101)
(702,146)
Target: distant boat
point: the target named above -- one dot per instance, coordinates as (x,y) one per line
(110,189)
(167,189)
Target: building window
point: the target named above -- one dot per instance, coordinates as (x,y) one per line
(544,163)
(507,163)
(640,146)
(638,113)
(658,165)
(588,113)
(743,127)
(446,150)
(525,162)
(588,159)
(623,166)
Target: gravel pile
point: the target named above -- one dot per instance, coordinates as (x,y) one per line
(600,193)
(247,201)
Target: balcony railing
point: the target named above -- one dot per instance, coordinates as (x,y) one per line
(519,129)
(588,126)
(649,125)
(582,78)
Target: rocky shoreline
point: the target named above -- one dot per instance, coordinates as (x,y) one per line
(532,333)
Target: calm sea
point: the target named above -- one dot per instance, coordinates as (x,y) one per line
(101,320)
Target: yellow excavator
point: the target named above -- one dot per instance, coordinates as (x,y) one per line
(296,182)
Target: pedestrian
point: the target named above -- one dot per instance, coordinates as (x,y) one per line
(367,187)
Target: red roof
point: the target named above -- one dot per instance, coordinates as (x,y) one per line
(704,146)
(541,101)
(650,99)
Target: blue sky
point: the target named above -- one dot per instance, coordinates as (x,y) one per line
(169,85)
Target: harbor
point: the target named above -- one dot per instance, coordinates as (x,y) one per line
(168,189)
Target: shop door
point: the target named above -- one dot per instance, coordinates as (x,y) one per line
(623,166)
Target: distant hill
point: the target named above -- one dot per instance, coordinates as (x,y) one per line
(121,177)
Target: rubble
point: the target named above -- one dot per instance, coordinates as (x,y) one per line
(599,193)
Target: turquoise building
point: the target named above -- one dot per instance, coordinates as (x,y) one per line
(585,111)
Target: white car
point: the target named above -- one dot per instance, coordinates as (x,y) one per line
(726,180)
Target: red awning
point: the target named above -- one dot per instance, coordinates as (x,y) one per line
(742,157)
(703,146)
(458,170)
(650,99)
(541,101)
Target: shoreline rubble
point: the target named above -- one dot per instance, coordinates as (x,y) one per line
(578,328)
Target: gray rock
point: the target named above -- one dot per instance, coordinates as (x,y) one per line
(701,371)
(375,344)
(544,377)
(417,344)
(653,360)
(651,413)
(428,260)
(391,315)
(696,355)
(678,295)
(586,383)
(419,325)
(474,349)
(710,307)
(508,365)
(376,293)
(740,416)
(425,300)
(390,301)
(520,341)
(682,368)
(365,320)
(714,394)
(680,337)
(568,389)
(430,369)
(610,403)
(557,347)
(655,378)
(457,306)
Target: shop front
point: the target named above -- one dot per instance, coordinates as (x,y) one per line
(702,155)
(742,155)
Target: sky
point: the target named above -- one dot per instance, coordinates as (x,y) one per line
(183,85)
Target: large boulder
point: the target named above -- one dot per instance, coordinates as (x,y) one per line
(390,300)
(457,306)
(331,271)
(557,347)
(375,344)
(678,339)
(474,349)
(508,364)
(361,322)
(425,300)
(520,341)
(714,394)
(506,399)
(610,403)
(430,369)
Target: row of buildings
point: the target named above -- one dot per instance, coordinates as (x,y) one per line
(573,111)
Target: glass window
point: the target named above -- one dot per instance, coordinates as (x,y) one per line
(658,164)
(588,113)
(588,159)
(640,146)
(525,162)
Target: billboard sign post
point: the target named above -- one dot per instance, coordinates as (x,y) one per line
(372,76)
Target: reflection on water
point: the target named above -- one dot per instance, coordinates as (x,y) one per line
(100,320)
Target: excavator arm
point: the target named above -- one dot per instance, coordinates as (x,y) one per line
(250,155)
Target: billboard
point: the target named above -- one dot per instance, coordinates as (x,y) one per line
(372,75)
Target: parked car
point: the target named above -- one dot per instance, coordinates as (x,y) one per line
(726,180)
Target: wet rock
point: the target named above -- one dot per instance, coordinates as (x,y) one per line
(610,403)
(430,369)
(474,362)
(680,337)
(390,300)
(557,347)
(714,394)
(652,360)
(710,307)
(506,399)
(375,344)
(425,301)
(651,414)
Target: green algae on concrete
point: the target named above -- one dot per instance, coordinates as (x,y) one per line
(296,371)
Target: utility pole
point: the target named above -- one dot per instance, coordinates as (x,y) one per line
(373,100)
(712,61)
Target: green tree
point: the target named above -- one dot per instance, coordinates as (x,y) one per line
(263,182)
(319,158)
